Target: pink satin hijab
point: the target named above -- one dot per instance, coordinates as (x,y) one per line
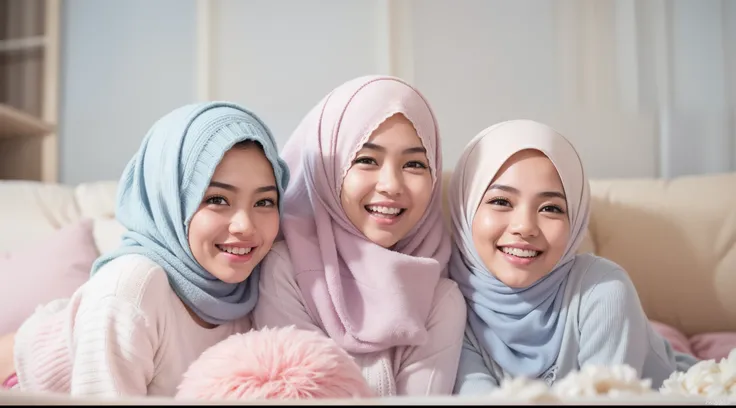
(367,298)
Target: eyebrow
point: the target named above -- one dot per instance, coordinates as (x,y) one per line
(231,187)
(411,150)
(266,189)
(509,189)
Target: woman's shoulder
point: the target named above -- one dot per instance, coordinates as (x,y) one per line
(601,280)
(592,269)
(277,261)
(279,251)
(131,278)
(448,292)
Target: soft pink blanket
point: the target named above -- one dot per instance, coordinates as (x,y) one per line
(705,346)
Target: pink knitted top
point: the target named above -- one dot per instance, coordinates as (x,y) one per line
(426,369)
(123,333)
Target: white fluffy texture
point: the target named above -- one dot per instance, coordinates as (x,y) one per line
(706,379)
(524,389)
(590,381)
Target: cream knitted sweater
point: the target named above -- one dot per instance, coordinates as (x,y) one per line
(123,333)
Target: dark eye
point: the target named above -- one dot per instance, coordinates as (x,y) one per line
(364,160)
(216,200)
(499,201)
(266,202)
(416,165)
(552,208)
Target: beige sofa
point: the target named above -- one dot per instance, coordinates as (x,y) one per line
(676,238)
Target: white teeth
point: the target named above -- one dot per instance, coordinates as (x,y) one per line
(521,253)
(235,250)
(384,210)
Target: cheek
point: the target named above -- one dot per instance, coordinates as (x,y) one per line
(204,226)
(268,226)
(421,189)
(197,233)
(556,233)
(355,186)
(488,226)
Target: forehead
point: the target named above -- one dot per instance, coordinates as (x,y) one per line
(244,166)
(529,169)
(395,131)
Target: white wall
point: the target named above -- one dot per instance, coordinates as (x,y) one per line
(496,60)
(280,57)
(124,64)
(643,88)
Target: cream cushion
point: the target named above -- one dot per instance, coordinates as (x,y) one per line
(677,241)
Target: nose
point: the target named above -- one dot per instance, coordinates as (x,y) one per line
(240,224)
(524,223)
(390,181)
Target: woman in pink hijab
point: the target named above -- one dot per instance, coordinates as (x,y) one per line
(365,254)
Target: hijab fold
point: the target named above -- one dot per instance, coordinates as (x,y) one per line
(161,188)
(366,297)
(520,328)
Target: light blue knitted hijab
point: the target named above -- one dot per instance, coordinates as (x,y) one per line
(161,188)
(521,329)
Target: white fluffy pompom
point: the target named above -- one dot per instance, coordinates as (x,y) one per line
(706,379)
(525,390)
(594,380)
(590,381)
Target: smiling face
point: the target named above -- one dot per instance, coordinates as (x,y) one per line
(389,184)
(521,227)
(235,225)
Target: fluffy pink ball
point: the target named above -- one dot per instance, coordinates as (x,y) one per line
(281,363)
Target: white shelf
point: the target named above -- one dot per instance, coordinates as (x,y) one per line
(20,44)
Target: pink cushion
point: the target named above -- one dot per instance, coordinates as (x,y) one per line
(715,346)
(705,346)
(45,270)
(676,338)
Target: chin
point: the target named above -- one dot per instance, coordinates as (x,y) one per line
(512,280)
(233,276)
(382,240)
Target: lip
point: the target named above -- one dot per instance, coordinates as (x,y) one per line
(239,244)
(236,258)
(389,204)
(520,246)
(519,261)
(385,222)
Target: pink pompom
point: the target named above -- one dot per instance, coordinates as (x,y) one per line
(281,363)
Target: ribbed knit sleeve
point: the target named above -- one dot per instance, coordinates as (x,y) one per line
(474,377)
(100,342)
(41,351)
(113,350)
(613,326)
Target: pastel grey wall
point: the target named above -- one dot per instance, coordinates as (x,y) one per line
(643,88)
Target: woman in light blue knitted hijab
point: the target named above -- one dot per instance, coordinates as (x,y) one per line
(520,203)
(200,202)
(162,187)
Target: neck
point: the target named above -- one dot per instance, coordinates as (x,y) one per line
(198,319)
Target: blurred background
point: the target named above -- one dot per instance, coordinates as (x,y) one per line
(644,88)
